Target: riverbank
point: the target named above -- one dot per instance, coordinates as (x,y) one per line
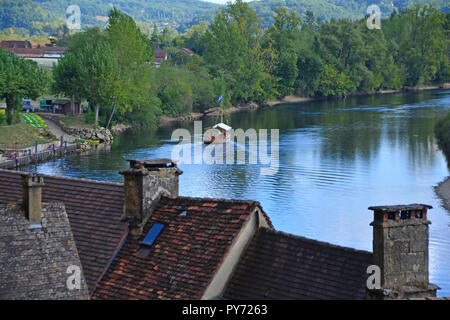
(251,106)
(22,135)
(443,191)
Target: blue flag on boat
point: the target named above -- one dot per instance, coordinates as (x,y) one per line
(220,99)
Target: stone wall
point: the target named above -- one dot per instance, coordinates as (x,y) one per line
(102,134)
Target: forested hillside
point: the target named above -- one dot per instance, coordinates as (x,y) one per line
(45,17)
(28,18)
(234,57)
(336,9)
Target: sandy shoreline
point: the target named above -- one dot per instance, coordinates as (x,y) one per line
(290,99)
(443,191)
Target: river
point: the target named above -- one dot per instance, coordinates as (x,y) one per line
(336,158)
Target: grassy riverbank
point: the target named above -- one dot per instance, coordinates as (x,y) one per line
(23,135)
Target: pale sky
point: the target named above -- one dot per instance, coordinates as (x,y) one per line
(223,1)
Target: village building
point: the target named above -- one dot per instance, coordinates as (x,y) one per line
(14,44)
(141,240)
(43,56)
(187,51)
(60,106)
(160,56)
(37,248)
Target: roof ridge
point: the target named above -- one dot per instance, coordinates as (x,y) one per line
(17,172)
(238,201)
(313,241)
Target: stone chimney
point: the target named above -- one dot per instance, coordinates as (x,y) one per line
(32,197)
(145,182)
(400,250)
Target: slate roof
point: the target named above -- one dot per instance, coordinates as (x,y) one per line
(281,266)
(34,261)
(94,209)
(184,258)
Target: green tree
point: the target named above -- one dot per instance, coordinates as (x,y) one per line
(333,82)
(155,40)
(133,54)
(66,79)
(91,70)
(111,69)
(423,50)
(233,52)
(281,36)
(418,40)
(20,78)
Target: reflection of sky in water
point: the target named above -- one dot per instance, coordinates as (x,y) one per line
(337,158)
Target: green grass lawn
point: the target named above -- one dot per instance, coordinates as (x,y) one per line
(24,135)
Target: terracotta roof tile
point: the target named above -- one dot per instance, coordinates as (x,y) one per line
(184,258)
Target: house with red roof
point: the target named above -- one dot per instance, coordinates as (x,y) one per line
(141,240)
(15,44)
(160,56)
(187,51)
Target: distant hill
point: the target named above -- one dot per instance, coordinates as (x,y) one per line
(40,16)
(141,10)
(337,9)
(327,9)
(44,17)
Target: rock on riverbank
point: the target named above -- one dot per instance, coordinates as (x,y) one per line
(102,134)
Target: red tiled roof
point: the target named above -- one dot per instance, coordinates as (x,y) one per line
(94,209)
(282,266)
(184,258)
(160,53)
(55,49)
(187,51)
(28,52)
(40,43)
(15,44)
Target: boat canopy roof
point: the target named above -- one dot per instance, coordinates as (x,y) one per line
(222,126)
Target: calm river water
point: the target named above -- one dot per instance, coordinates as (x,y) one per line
(337,158)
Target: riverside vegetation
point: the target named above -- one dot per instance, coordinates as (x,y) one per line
(235,57)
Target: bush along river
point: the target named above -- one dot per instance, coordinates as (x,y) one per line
(336,158)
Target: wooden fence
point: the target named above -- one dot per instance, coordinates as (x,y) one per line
(18,158)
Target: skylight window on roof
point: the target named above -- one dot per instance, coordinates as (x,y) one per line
(153,234)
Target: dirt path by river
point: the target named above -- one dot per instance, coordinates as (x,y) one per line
(58,132)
